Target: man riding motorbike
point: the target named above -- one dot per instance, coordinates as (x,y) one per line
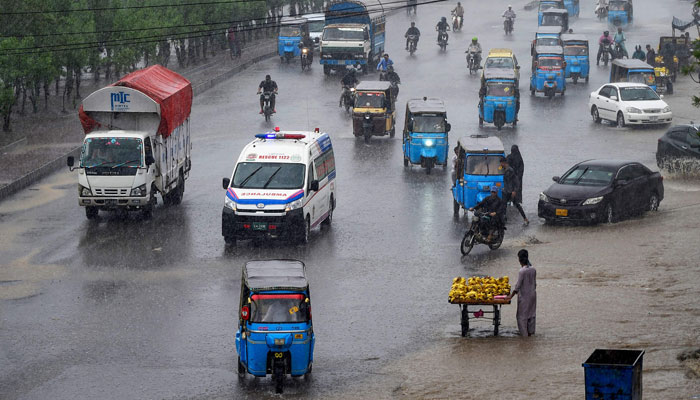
(382,66)
(475,48)
(270,86)
(442,27)
(605,39)
(394,79)
(620,40)
(459,12)
(601,8)
(347,82)
(307,42)
(412,31)
(509,14)
(495,208)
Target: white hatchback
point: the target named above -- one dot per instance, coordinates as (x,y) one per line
(628,104)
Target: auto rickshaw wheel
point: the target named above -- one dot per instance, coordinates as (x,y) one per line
(575,79)
(241,368)
(278,376)
(230,240)
(481,121)
(392,132)
(326,69)
(586,79)
(455,207)
(405,162)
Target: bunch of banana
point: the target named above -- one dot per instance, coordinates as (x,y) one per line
(478,288)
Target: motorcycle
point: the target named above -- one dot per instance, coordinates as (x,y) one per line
(472,62)
(412,43)
(382,75)
(442,40)
(607,54)
(478,232)
(601,11)
(394,90)
(411,6)
(367,127)
(457,22)
(348,94)
(305,58)
(267,109)
(508,26)
(618,53)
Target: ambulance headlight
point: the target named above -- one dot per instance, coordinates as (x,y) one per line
(228,203)
(294,205)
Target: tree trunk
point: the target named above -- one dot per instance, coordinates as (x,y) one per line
(24,99)
(67,89)
(34,97)
(46,95)
(78,77)
(181,52)
(58,80)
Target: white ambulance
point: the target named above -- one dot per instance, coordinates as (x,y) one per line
(283,185)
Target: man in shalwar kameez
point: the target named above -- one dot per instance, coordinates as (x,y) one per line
(527,295)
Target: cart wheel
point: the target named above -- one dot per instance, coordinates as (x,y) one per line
(496,319)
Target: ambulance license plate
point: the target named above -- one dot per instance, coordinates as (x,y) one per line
(561,212)
(259,226)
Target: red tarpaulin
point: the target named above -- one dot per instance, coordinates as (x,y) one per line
(167,88)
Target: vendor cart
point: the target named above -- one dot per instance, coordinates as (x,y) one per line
(479,310)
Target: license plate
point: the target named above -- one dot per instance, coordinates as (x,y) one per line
(111,202)
(653,118)
(560,212)
(259,226)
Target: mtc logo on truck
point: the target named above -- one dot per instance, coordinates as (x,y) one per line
(119,101)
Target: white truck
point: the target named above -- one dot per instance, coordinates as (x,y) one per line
(137,143)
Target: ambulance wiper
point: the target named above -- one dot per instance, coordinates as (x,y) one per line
(242,184)
(271,176)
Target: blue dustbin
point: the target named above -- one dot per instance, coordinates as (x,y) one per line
(614,375)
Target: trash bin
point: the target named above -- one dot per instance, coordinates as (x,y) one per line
(614,375)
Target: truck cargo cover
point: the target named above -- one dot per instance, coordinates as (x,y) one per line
(171,91)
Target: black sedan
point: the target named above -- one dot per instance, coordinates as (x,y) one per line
(679,149)
(601,191)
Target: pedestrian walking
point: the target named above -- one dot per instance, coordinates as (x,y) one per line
(511,184)
(515,160)
(232,38)
(525,288)
(651,56)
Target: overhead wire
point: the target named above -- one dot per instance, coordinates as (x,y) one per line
(87,9)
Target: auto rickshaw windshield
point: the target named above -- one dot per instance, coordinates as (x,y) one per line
(549,62)
(645,77)
(552,20)
(483,164)
(278,308)
(500,89)
(290,31)
(429,123)
(547,41)
(370,100)
(617,6)
(547,6)
(499,62)
(575,50)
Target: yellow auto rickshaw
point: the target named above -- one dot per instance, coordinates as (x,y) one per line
(374,113)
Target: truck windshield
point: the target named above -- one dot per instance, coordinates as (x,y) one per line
(500,89)
(575,50)
(370,100)
(278,308)
(429,123)
(486,164)
(290,31)
(112,152)
(645,77)
(316,26)
(259,175)
(343,34)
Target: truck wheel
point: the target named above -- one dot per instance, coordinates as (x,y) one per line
(392,132)
(179,191)
(91,212)
(147,210)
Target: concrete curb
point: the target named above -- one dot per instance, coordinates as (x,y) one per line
(204,86)
(9,147)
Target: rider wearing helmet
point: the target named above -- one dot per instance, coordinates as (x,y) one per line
(270,86)
(441,27)
(412,31)
(349,81)
(475,48)
(605,39)
(509,13)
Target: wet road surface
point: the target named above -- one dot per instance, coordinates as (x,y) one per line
(124,308)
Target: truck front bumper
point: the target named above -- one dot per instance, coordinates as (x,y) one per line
(328,61)
(110,203)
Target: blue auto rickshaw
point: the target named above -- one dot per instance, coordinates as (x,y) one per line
(292,30)
(633,70)
(556,17)
(501,96)
(477,168)
(572,6)
(275,334)
(546,36)
(545,5)
(548,67)
(425,140)
(576,56)
(619,12)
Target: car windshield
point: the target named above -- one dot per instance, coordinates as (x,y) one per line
(369,100)
(575,50)
(316,26)
(588,175)
(111,152)
(638,94)
(343,34)
(501,89)
(645,77)
(429,123)
(499,62)
(547,41)
(552,20)
(549,62)
(483,164)
(259,175)
(290,31)
(278,308)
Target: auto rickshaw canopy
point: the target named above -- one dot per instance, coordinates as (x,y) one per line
(499,73)
(275,275)
(549,50)
(548,30)
(430,105)
(574,38)
(481,144)
(375,86)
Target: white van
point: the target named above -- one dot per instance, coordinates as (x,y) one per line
(316,24)
(283,185)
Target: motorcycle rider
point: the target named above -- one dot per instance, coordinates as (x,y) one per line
(307,42)
(412,31)
(510,14)
(459,12)
(495,207)
(384,63)
(348,81)
(620,40)
(268,85)
(601,5)
(442,27)
(393,77)
(605,39)
(475,48)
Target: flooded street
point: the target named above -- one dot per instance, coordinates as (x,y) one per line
(120,308)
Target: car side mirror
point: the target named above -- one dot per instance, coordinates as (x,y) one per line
(316,40)
(613,98)
(150,160)
(661,96)
(517,67)
(448,127)
(410,125)
(555,179)
(621,182)
(70,161)
(313,185)
(225,183)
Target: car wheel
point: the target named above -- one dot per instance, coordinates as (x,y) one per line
(329,219)
(653,204)
(595,114)
(620,120)
(304,235)
(610,216)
